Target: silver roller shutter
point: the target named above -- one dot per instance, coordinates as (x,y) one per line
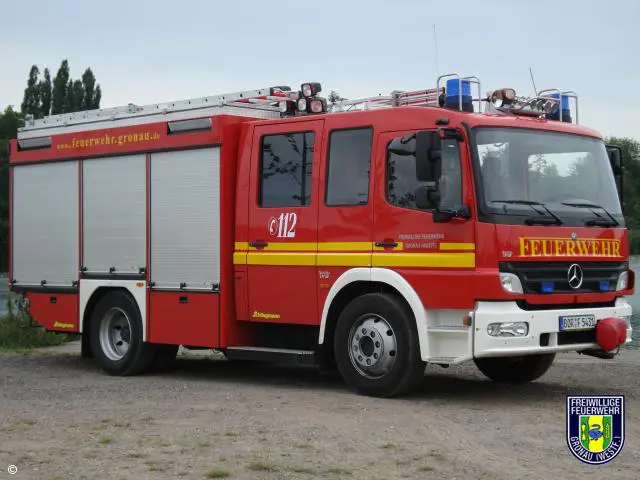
(114,214)
(185,219)
(45,224)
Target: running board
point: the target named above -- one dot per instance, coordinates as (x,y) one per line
(272,355)
(449,360)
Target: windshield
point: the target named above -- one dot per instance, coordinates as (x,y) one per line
(519,172)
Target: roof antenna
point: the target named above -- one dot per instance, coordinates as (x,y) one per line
(435,43)
(535,90)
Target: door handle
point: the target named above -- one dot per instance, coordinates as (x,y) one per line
(258,244)
(387,244)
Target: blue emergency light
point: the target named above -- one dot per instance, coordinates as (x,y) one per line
(547,287)
(452,99)
(564,106)
(604,286)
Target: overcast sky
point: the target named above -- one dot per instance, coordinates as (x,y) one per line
(158,50)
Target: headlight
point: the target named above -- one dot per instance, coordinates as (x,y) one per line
(511,283)
(623,281)
(510,329)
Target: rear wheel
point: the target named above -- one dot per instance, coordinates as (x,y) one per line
(116,336)
(376,346)
(521,369)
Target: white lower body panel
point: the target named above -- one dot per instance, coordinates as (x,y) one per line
(540,322)
(137,288)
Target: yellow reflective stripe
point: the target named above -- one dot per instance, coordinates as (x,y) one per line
(434,260)
(291,246)
(457,246)
(271,258)
(446,260)
(241,246)
(344,246)
(240,258)
(344,260)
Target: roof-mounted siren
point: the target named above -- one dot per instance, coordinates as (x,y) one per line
(458,93)
(563,114)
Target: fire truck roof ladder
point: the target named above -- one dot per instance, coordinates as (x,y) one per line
(261,103)
(397,98)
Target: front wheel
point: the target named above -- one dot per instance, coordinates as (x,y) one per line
(520,369)
(376,346)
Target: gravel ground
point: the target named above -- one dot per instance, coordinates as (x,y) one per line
(61,418)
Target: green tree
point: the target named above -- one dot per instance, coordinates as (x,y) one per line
(45,94)
(630,186)
(31,102)
(97,97)
(92,91)
(59,92)
(75,96)
(333,98)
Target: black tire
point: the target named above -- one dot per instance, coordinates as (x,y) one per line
(406,370)
(139,356)
(521,369)
(165,356)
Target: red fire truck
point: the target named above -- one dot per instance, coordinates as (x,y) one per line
(372,236)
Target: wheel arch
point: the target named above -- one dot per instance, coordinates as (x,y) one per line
(359,281)
(91,291)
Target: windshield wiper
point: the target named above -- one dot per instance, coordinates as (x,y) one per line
(555,220)
(600,222)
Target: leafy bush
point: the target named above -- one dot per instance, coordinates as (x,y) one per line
(18,331)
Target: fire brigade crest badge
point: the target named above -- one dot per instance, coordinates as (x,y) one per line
(595,427)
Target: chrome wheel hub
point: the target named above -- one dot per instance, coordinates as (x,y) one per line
(115,334)
(372,346)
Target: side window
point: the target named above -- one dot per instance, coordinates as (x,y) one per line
(285,169)
(402,182)
(348,167)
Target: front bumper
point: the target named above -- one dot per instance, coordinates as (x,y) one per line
(544,335)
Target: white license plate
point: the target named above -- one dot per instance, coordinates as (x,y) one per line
(577,322)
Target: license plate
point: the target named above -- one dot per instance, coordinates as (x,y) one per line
(577,322)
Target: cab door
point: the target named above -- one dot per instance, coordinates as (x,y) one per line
(283,217)
(431,255)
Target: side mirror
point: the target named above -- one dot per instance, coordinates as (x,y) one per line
(615,159)
(428,156)
(426,198)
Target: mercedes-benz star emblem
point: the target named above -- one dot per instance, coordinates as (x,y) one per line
(575,276)
(574,236)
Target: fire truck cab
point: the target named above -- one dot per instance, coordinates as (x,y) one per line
(430,227)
